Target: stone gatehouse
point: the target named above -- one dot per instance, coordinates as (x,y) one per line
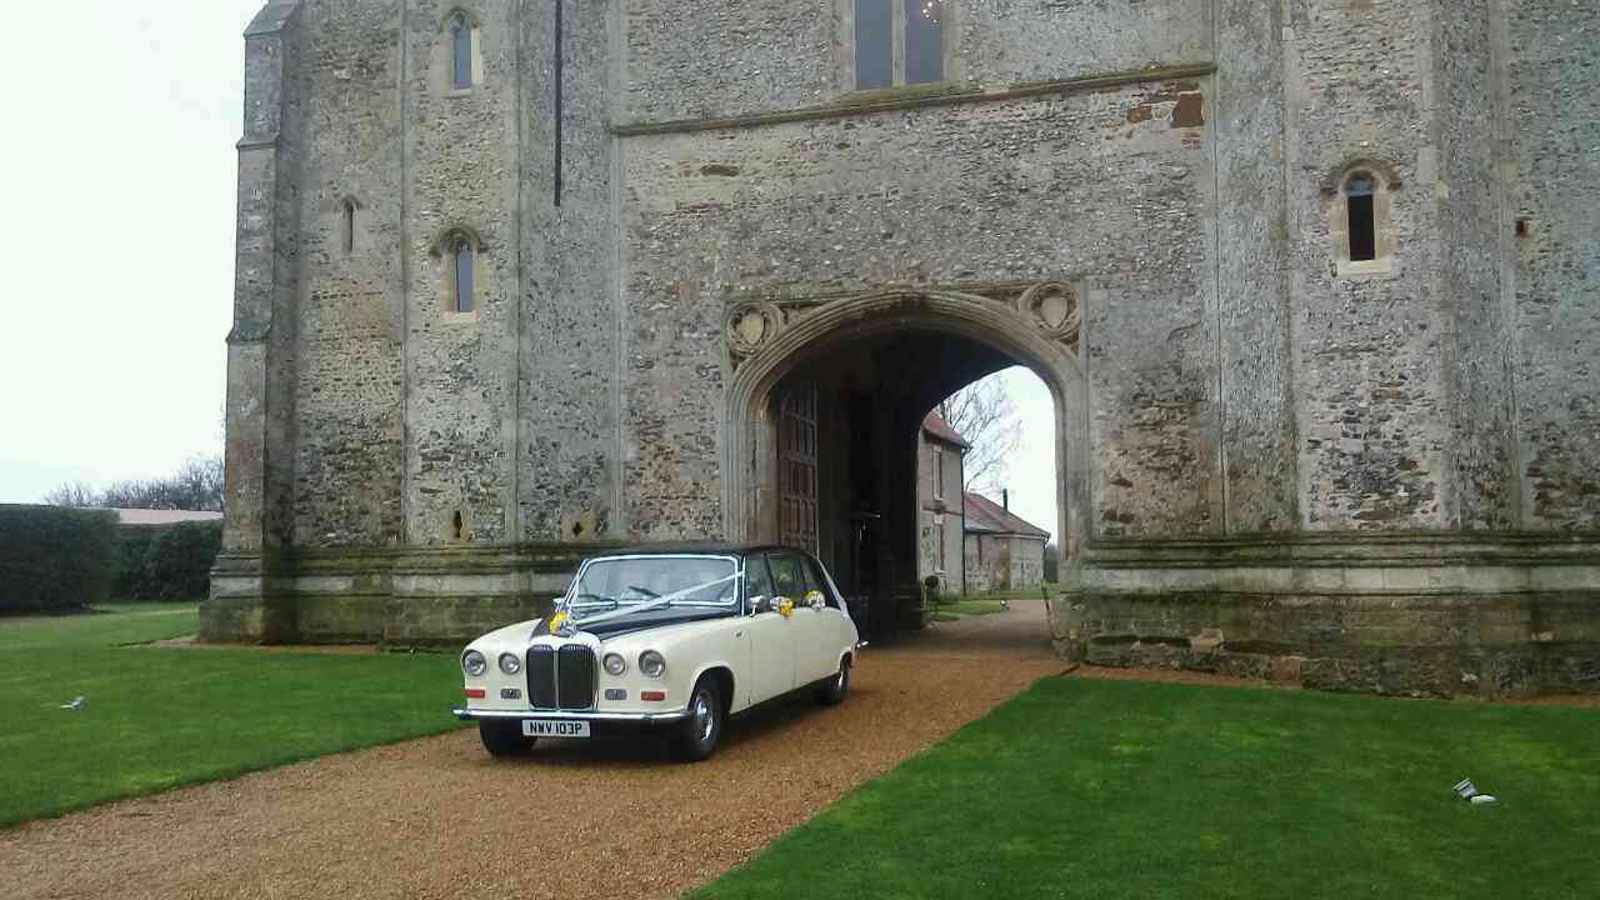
(1315,285)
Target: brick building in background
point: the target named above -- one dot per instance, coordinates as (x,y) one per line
(941,481)
(1003,551)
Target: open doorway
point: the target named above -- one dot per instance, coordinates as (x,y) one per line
(825,438)
(987,491)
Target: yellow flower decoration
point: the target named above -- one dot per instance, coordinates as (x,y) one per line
(813,598)
(556,620)
(785,607)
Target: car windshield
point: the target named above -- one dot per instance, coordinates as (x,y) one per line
(620,586)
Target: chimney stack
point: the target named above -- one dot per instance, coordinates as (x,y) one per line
(1005,500)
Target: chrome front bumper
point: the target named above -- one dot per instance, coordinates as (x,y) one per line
(649,718)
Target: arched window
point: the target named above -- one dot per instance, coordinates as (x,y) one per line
(460,52)
(1359,199)
(347,227)
(1360,215)
(461,260)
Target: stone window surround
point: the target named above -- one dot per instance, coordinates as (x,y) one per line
(444,53)
(443,253)
(845,48)
(1385,182)
(349,224)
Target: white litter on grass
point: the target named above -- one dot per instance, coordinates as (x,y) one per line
(76,704)
(1469,792)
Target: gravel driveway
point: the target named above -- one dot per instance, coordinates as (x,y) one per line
(437,818)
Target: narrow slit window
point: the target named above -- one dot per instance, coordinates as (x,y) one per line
(347,234)
(924,41)
(462,258)
(1358,195)
(874,43)
(460,53)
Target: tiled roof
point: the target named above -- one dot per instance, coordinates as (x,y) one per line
(986,515)
(935,425)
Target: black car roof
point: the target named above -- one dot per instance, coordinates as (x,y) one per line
(718,548)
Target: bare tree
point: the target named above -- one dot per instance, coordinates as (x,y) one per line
(983,414)
(197,484)
(73,493)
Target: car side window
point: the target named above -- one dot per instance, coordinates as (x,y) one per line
(821,584)
(757,580)
(796,577)
(788,579)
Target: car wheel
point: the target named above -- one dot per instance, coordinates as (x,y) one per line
(832,691)
(503,738)
(699,733)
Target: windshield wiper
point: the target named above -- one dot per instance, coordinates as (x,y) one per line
(593,600)
(648,594)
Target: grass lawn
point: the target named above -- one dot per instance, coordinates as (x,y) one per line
(157,718)
(1082,788)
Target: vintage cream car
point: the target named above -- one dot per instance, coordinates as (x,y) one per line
(672,637)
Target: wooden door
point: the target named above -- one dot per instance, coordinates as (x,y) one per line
(797,467)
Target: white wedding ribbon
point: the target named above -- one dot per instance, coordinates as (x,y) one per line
(657,603)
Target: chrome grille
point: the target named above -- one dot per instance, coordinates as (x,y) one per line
(561,678)
(575,677)
(542,677)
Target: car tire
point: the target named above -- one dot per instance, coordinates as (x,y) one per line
(699,734)
(833,691)
(503,738)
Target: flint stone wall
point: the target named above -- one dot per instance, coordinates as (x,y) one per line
(1177,161)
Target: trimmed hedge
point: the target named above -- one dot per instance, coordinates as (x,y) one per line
(166,562)
(55,557)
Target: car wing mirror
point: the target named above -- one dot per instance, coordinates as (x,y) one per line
(760,603)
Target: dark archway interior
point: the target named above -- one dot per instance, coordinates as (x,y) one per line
(871,394)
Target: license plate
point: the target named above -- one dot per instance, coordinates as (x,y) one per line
(554,728)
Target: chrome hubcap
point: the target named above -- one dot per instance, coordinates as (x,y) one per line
(703,718)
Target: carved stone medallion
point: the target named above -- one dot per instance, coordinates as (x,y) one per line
(751,325)
(1053,307)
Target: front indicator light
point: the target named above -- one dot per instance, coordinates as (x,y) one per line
(473,663)
(510,663)
(653,696)
(652,663)
(475,693)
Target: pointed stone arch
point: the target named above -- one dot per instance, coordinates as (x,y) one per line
(1036,324)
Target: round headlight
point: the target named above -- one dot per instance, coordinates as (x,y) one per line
(652,663)
(615,664)
(510,663)
(473,663)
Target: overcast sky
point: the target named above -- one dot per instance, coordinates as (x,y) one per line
(119,181)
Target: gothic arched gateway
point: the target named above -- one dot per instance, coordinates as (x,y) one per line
(828,395)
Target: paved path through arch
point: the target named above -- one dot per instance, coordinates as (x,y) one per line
(437,818)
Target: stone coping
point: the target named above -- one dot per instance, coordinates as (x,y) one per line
(1350,550)
(445,559)
(917,96)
